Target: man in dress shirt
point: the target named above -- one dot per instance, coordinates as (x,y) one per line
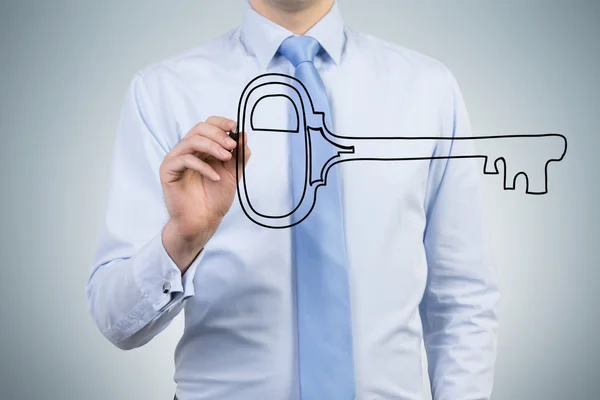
(174,238)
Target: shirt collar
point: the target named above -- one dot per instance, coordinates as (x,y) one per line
(264,36)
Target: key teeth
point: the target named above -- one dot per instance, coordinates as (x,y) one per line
(490,168)
(511,184)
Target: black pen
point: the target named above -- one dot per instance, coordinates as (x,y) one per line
(234,136)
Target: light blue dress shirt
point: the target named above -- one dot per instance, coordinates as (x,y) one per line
(415,237)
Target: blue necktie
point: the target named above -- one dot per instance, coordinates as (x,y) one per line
(325,356)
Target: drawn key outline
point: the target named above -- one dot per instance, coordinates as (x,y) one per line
(324,131)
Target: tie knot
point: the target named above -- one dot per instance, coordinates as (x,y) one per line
(299,49)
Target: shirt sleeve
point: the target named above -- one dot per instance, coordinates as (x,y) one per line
(134,288)
(458,309)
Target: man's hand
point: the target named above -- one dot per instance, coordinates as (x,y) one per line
(198,179)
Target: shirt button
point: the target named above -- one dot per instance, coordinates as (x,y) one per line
(166,287)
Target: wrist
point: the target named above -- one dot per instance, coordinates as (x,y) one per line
(182,248)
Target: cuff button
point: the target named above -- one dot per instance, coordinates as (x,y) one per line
(166,287)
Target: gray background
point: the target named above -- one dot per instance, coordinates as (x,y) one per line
(524,67)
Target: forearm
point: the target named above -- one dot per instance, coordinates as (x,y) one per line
(133,299)
(135,288)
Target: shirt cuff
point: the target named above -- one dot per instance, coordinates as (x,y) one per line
(159,279)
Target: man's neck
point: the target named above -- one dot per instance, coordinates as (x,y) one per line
(296,20)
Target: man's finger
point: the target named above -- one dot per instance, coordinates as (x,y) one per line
(223,123)
(212,132)
(203,145)
(172,169)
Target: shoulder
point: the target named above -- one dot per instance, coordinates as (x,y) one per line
(202,60)
(391,58)
(158,90)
